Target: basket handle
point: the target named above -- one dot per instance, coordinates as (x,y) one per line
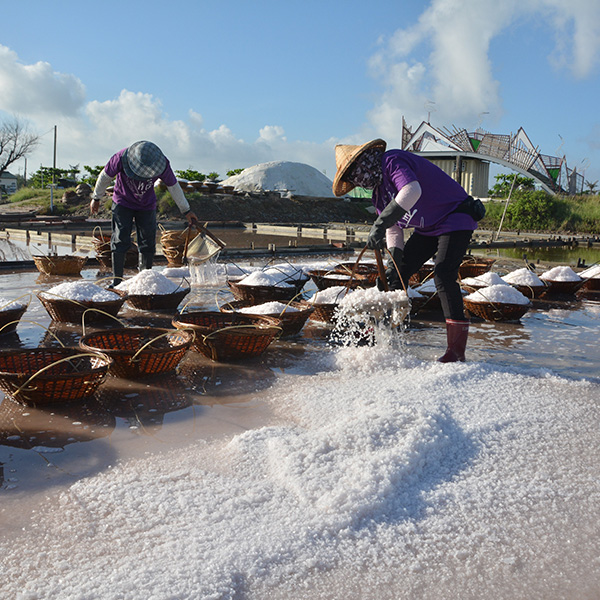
(56,362)
(99,311)
(165,334)
(35,323)
(230,327)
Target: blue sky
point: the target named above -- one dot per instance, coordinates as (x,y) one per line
(230,84)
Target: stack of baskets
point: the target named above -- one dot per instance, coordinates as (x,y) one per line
(174,244)
(103,254)
(60,265)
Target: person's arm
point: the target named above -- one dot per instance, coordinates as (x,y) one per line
(182,204)
(102,183)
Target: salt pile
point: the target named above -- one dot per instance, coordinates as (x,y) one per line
(591,273)
(331,295)
(523,276)
(148,283)
(499,294)
(268,308)
(177,272)
(282,176)
(81,291)
(277,275)
(560,274)
(489,278)
(9,304)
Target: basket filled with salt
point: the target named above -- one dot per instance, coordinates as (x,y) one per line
(38,376)
(60,265)
(67,302)
(591,278)
(474,266)
(326,303)
(526,281)
(472,284)
(293,315)
(140,351)
(561,280)
(275,283)
(368,270)
(499,302)
(151,290)
(323,279)
(11,312)
(229,336)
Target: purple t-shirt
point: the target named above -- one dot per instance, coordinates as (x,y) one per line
(432,214)
(132,193)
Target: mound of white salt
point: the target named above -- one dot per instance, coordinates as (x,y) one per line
(81,291)
(560,274)
(267,278)
(176,272)
(523,277)
(367,298)
(282,176)
(591,273)
(499,294)
(331,295)
(9,304)
(486,279)
(148,283)
(268,308)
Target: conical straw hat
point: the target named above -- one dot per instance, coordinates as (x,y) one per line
(345,156)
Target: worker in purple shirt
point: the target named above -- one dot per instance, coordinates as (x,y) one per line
(409,191)
(136,169)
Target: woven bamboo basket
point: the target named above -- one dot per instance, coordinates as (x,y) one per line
(60,265)
(38,376)
(292,321)
(473,266)
(157,301)
(103,253)
(71,311)
(324,279)
(531,291)
(366,270)
(324,312)
(562,287)
(12,316)
(139,351)
(425,272)
(259,294)
(174,244)
(229,336)
(492,311)
(592,284)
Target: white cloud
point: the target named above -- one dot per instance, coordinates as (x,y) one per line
(443,64)
(37,89)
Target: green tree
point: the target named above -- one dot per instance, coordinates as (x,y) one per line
(504,182)
(233,172)
(91,174)
(42,178)
(191,175)
(213,176)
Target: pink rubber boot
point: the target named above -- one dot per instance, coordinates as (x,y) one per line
(457,333)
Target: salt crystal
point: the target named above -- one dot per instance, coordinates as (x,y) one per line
(81,291)
(9,304)
(489,278)
(330,295)
(148,283)
(268,279)
(268,308)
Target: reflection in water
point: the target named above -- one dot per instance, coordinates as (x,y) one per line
(30,428)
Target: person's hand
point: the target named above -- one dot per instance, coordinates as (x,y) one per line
(191,218)
(376,238)
(94,206)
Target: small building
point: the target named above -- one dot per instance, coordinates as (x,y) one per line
(8,183)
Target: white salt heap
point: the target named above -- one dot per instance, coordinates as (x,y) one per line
(523,276)
(81,291)
(177,272)
(560,274)
(282,176)
(591,273)
(499,294)
(9,304)
(148,283)
(331,295)
(268,308)
(489,278)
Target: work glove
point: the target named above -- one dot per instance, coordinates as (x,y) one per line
(392,273)
(389,216)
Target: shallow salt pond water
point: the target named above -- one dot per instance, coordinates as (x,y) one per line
(315,471)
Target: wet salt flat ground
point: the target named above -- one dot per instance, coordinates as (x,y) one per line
(317,471)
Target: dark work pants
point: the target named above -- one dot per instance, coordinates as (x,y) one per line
(123,219)
(449,250)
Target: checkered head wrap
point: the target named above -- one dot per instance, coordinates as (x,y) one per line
(367,172)
(144,160)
